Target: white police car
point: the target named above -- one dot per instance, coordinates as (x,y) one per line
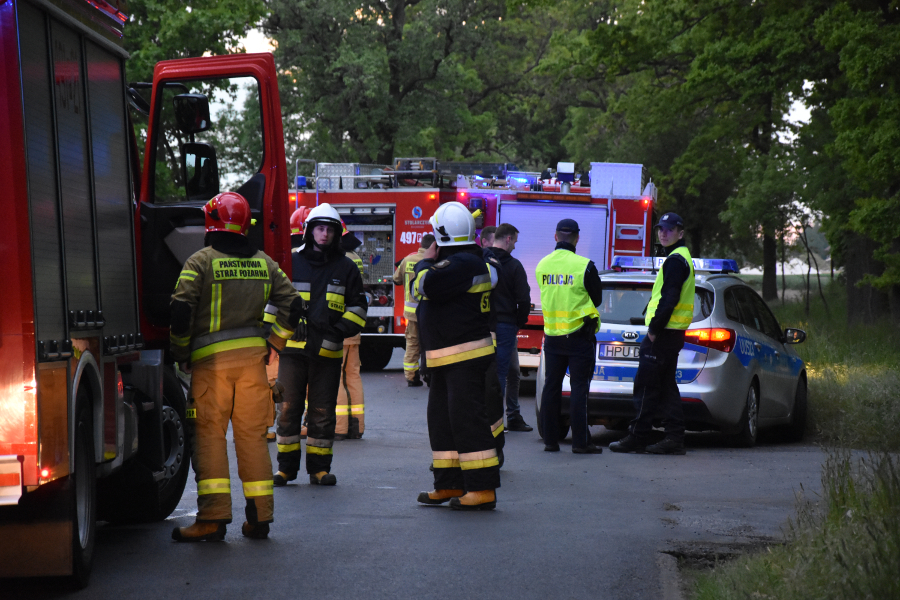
(737,372)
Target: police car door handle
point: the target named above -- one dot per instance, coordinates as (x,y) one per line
(757,345)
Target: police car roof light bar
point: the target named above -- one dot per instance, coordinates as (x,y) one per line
(647,263)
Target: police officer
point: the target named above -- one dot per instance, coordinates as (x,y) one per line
(453,285)
(669,314)
(216,335)
(570,293)
(403,276)
(351,407)
(330,283)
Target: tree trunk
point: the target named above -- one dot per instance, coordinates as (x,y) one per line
(770,262)
(865,304)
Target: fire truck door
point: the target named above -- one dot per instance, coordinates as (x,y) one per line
(537,225)
(193,159)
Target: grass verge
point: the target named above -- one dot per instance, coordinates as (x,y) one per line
(846,542)
(845,545)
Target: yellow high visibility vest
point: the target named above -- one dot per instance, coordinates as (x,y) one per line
(684,311)
(564,300)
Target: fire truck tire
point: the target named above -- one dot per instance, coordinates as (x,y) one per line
(133,495)
(83,493)
(374,356)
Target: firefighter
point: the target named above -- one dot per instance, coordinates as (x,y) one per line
(453,286)
(297,219)
(403,276)
(669,314)
(216,335)
(310,367)
(351,407)
(570,294)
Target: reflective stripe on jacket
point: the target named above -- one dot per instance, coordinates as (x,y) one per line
(227,296)
(683,314)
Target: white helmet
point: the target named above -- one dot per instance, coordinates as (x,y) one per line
(326,214)
(453,225)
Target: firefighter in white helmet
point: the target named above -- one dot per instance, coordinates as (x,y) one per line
(331,285)
(453,286)
(216,335)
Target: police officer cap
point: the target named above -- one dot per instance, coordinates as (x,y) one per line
(670,221)
(567,226)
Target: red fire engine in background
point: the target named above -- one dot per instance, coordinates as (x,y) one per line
(613,206)
(91,408)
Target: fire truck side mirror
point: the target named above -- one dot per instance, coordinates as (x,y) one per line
(200,171)
(192,112)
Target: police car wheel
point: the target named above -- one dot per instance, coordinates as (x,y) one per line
(797,428)
(749,425)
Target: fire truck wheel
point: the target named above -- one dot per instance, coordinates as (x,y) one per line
(134,495)
(175,445)
(83,491)
(374,356)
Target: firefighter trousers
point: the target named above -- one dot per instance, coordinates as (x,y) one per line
(320,379)
(411,356)
(239,394)
(351,408)
(493,404)
(463,450)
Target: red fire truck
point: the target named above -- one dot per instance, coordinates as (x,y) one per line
(91,408)
(613,205)
(387,207)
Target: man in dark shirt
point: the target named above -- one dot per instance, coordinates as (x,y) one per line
(511,303)
(669,314)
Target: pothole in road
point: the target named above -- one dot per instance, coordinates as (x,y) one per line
(700,557)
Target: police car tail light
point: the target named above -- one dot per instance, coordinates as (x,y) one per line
(715,338)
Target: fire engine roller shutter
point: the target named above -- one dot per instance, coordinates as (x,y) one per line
(77,210)
(537,225)
(42,183)
(111,188)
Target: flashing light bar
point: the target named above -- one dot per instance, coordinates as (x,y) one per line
(712,265)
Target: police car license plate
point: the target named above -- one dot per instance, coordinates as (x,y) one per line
(618,352)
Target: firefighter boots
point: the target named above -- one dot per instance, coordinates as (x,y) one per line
(438,496)
(322,478)
(200,531)
(481,500)
(255,531)
(280,479)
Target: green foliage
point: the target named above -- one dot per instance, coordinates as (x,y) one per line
(846,544)
(854,386)
(166,29)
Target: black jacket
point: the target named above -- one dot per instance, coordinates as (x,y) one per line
(675,272)
(454,305)
(331,284)
(511,299)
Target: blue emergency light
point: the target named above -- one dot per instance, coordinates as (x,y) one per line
(644,263)
(301,182)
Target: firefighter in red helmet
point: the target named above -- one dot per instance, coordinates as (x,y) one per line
(216,336)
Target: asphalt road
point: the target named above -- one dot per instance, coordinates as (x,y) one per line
(566,526)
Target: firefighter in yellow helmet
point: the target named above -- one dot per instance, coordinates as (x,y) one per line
(351,407)
(330,283)
(403,276)
(453,286)
(216,336)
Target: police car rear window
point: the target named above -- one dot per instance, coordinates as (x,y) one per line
(623,302)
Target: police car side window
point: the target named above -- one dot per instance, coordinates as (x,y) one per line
(744,298)
(767,319)
(731,307)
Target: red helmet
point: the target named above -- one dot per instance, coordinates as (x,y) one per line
(227,212)
(298,218)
